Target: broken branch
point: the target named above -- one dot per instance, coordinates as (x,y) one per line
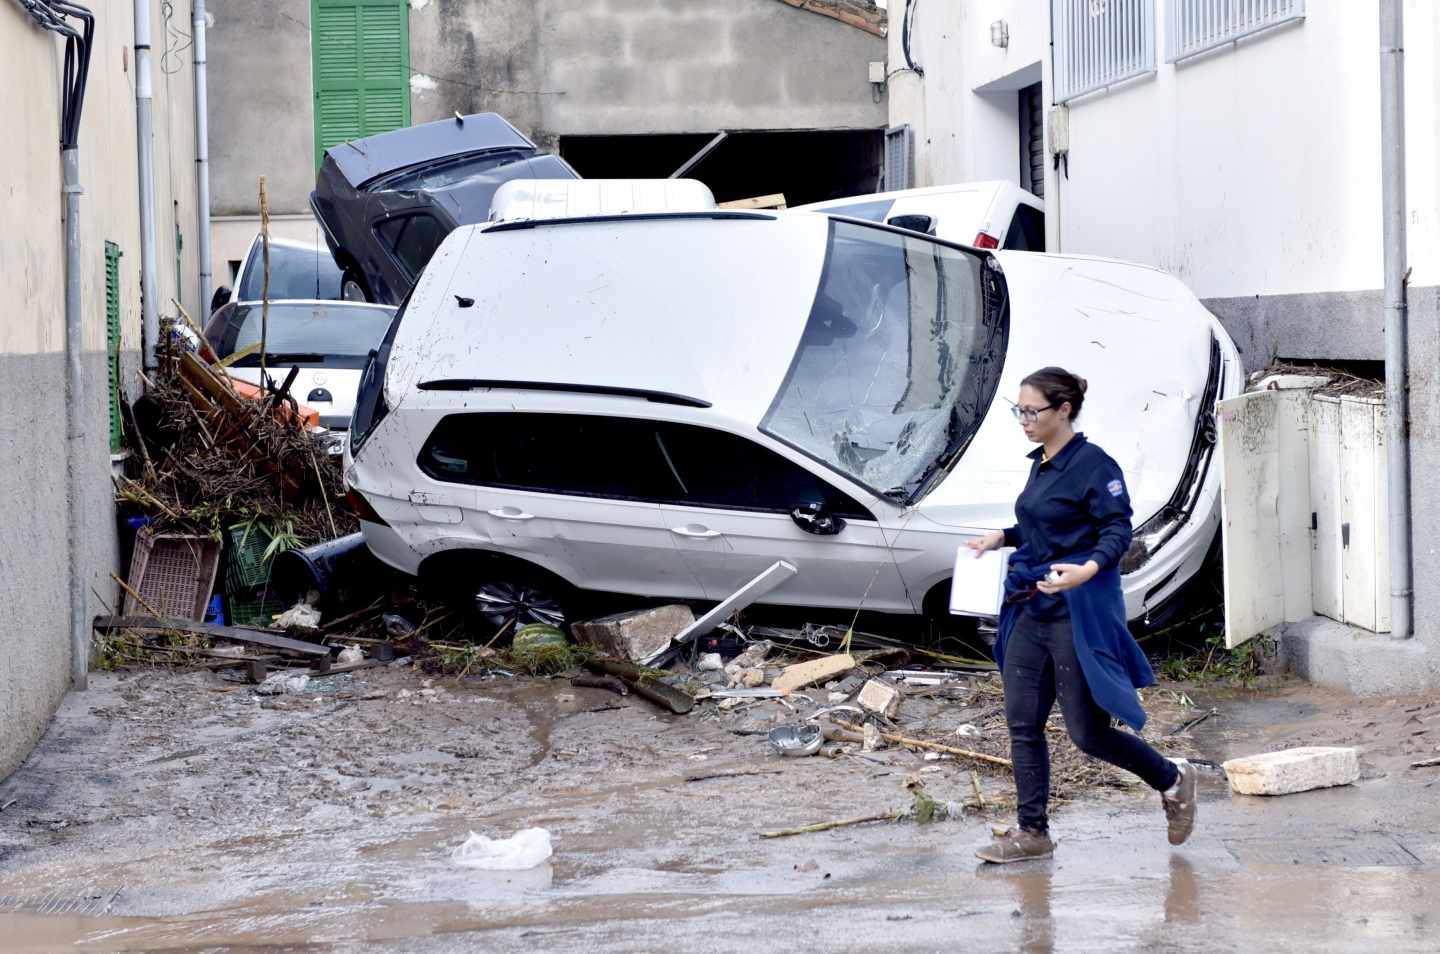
(933,746)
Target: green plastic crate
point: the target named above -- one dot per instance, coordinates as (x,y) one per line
(245,566)
(252,607)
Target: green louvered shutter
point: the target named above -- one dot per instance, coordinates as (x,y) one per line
(112,341)
(360,58)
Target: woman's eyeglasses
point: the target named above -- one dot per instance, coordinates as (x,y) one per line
(1030,414)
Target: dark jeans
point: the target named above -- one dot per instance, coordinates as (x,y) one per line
(1041,666)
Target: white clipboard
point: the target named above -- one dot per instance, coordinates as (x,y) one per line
(977,587)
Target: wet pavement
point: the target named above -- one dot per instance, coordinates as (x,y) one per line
(161,814)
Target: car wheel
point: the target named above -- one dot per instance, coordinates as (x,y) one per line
(503,603)
(353,287)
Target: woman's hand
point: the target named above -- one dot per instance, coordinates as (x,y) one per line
(993,540)
(1068,576)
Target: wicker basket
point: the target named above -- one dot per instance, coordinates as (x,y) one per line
(174,573)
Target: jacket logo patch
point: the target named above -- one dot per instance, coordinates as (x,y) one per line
(1115,487)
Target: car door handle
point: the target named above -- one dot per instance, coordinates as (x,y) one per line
(699,533)
(510,513)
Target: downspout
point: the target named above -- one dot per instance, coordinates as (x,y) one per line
(202,157)
(1397,393)
(51,16)
(145,139)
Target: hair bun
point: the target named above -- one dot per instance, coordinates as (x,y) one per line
(1082,384)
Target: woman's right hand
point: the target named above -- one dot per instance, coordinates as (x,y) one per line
(993,540)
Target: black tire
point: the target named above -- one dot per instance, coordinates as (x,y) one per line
(948,633)
(353,286)
(499,596)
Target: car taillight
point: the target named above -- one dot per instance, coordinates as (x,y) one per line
(362,508)
(986,241)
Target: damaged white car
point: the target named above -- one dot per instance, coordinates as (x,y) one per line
(664,405)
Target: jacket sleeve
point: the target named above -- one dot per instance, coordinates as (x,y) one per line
(1108,500)
(1013,537)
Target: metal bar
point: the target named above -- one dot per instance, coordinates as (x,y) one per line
(145,139)
(202,155)
(696,159)
(1392,186)
(75,405)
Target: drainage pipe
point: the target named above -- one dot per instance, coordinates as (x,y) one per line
(202,156)
(1397,393)
(145,139)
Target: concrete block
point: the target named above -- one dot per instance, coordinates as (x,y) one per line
(805,674)
(1293,770)
(634,636)
(879,696)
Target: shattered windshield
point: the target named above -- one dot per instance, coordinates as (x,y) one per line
(898,361)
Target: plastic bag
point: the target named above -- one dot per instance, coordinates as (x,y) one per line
(524,849)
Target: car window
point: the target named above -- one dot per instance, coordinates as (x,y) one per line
(1027,230)
(318,335)
(295,272)
(719,469)
(413,239)
(576,454)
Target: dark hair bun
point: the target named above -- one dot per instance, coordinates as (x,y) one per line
(1084,385)
(1059,387)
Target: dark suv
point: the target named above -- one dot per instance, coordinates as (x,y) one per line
(385,202)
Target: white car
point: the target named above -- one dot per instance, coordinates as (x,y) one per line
(996,214)
(299,271)
(327,343)
(665,405)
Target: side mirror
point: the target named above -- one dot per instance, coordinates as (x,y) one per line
(817,519)
(915,223)
(221,298)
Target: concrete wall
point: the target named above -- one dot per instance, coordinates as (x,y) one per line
(34,629)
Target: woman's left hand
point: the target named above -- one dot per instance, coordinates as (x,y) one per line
(1071,575)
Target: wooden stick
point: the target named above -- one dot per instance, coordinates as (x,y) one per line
(138,598)
(324,493)
(826,826)
(933,746)
(265,276)
(1425,763)
(975,783)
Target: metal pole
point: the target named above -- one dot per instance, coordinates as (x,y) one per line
(1397,395)
(75,407)
(202,156)
(145,137)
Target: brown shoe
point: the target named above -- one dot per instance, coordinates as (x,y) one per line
(1180,810)
(1017,844)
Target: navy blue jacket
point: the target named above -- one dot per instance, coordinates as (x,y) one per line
(1075,508)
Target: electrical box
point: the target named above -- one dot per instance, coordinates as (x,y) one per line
(877,71)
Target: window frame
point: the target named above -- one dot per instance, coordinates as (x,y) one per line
(1089,58)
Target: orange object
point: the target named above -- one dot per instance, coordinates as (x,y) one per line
(309,417)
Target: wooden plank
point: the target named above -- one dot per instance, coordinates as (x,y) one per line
(1326,577)
(239,634)
(773,201)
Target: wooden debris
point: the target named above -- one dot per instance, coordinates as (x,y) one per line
(934,746)
(239,634)
(808,673)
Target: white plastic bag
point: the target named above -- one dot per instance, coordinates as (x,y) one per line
(524,849)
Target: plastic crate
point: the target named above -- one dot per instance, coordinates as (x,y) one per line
(173,573)
(245,563)
(252,608)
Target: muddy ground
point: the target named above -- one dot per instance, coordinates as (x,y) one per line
(171,811)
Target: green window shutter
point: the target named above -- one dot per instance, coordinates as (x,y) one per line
(112,341)
(360,61)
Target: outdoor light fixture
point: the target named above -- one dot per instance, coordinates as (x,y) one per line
(1000,34)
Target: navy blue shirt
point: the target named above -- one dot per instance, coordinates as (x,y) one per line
(1073,509)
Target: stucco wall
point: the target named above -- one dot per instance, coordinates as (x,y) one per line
(34,629)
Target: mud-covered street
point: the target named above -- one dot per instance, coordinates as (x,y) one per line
(173,811)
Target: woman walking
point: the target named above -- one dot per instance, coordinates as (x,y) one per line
(1062,629)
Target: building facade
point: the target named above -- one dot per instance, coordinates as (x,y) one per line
(620,88)
(34,549)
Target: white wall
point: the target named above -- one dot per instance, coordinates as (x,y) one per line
(962,134)
(1256,170)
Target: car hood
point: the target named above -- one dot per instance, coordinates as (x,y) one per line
(1140,339)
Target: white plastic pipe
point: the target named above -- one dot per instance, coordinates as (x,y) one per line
(145,138)
(202,157)
(75,406)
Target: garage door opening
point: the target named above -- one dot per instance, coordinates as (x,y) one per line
(807,166)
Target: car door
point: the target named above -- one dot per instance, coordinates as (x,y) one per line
(573,493)
(731,519)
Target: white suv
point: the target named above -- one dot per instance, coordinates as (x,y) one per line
(665,405)
(995,214)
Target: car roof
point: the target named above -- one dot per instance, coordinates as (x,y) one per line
(708,306)
(533,199)
(361,160)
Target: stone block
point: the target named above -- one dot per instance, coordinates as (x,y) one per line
(881,697)
(634,636)
(1293,770)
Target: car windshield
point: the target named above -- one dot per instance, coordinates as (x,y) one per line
(325,335)
(296,271)
(898,362)
(443,173)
